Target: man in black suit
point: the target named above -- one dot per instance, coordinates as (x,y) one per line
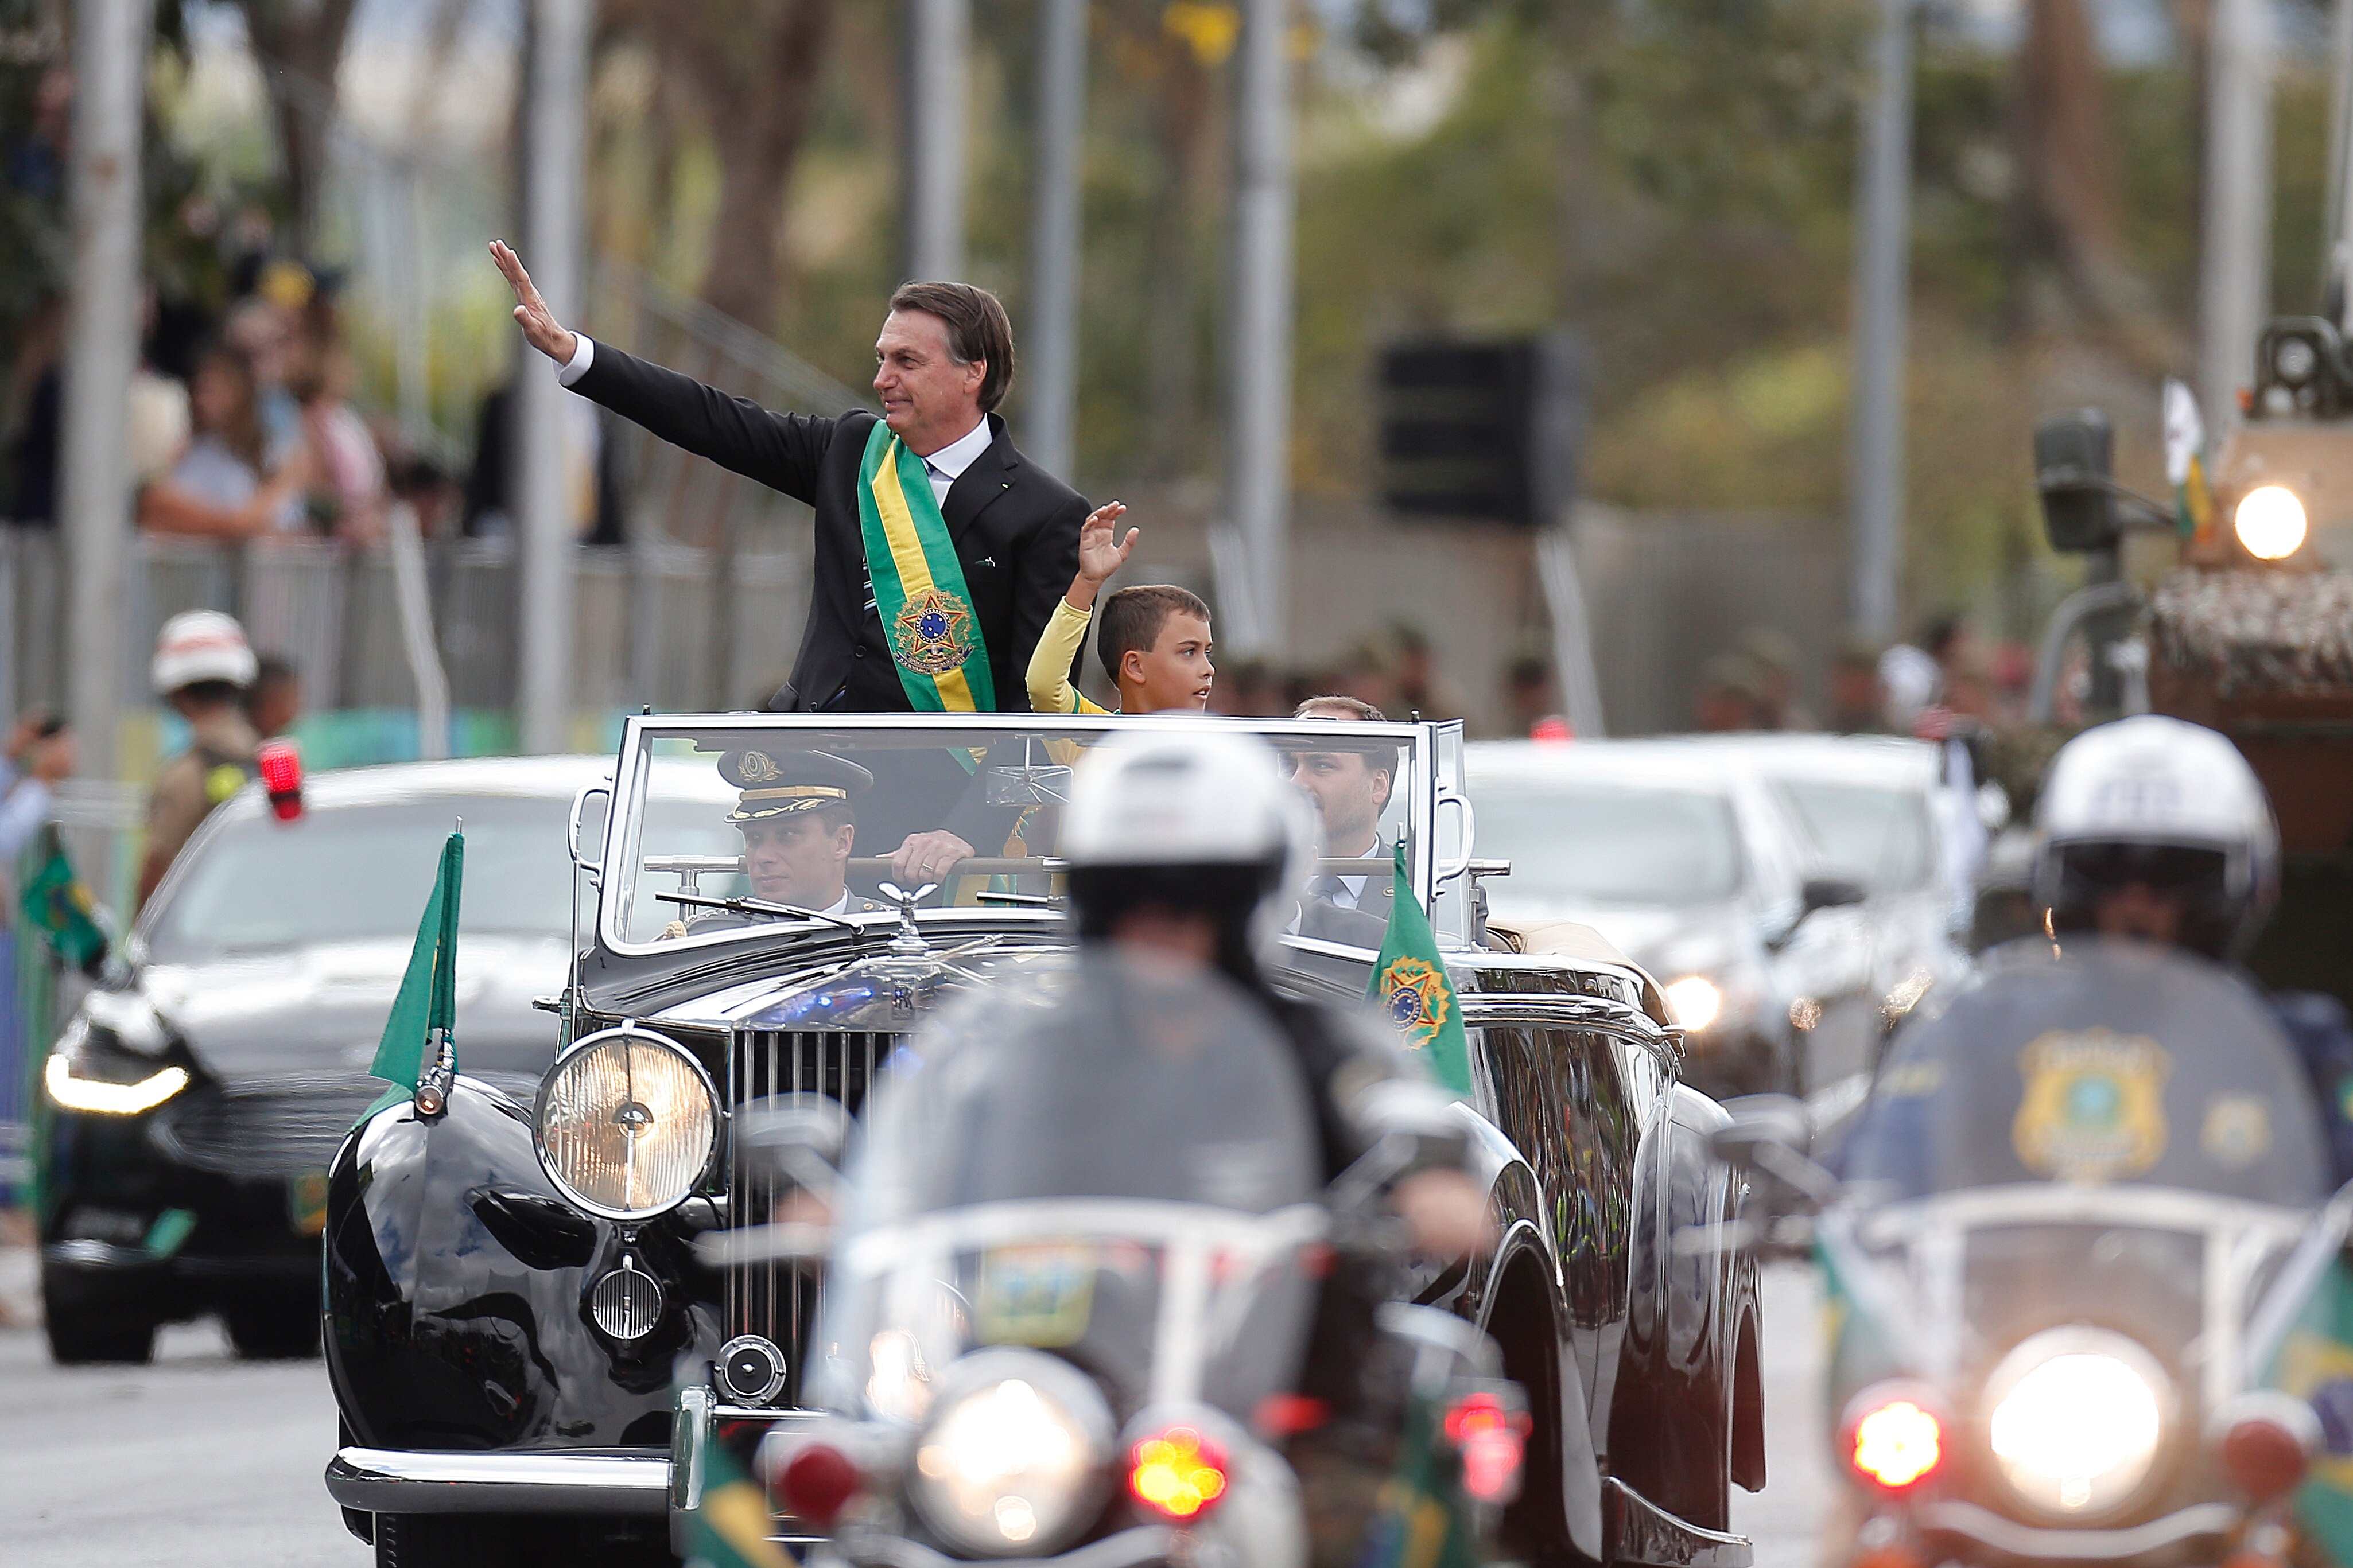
(1349,786)
(943,363)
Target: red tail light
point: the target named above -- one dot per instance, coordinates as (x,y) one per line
(1895,1439)
(2263,1458)
(281,775)
(1177,1475)
(817,1483)
(1492,1440)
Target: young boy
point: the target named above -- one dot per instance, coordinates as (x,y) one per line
(1155,641)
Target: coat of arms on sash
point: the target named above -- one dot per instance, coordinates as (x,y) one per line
(932,632)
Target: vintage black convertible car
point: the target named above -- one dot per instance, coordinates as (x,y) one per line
(535,1325)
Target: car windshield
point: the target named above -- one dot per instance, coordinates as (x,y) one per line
(802,814)
(1607,844)
(362,873)
(2109,1065)
(1872,833)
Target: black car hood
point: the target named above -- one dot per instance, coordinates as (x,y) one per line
(322,1009)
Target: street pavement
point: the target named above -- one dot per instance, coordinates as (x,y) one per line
(1782,1519)
(199,1459)
(202,1459)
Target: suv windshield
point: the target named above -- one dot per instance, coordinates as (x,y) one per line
(802,813)
(1871,832)
(362,872)
(1607,844)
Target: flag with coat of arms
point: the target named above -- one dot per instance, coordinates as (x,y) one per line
(1410,987)
(2185,462)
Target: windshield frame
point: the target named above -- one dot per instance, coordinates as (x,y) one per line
(619,850)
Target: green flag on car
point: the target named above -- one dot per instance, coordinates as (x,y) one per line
(425,1011)
(56,905)
(1410,987)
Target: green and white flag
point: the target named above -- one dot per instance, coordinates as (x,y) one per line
(1410,987)
(427,999)
(57,905)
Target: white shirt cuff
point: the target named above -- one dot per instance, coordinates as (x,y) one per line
(582,358)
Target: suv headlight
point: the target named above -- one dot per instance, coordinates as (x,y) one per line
(91,1071)
(2075,1417)
(626,1123)
(1013,1461)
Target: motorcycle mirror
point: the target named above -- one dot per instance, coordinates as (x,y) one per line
(1831,893)
(802,1135)
(1758,1119)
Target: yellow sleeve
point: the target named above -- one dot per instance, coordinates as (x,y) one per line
(1051,691)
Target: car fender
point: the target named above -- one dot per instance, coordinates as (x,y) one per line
(456,1281)
(1524,1247)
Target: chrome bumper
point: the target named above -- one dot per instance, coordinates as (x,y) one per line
(396,1481)
(2204,1521)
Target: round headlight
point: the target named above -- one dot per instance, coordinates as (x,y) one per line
(2270,522)
(1013,1461)
(627,1122)
(2076,1418)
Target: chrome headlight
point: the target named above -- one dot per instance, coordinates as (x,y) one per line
(626,1123)
(1013,1461)
(2075,1418)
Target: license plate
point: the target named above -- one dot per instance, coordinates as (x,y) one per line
(306,1202)
(1037,1295)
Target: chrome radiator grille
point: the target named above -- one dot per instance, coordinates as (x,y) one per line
(778,1301)
(278,1127)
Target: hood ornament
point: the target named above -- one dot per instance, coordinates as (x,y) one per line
(909,941)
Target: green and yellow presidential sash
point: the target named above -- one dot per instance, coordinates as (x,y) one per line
(919,588)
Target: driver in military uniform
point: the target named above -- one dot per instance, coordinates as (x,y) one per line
(798,816)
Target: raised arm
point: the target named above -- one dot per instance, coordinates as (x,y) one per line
(1101,553)
(779,450)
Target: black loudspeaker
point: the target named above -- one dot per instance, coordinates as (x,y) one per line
(1486,431)
(2073,461)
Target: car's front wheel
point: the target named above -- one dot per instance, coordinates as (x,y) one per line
(88,1326)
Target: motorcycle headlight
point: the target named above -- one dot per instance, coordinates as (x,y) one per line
(1013,1461)
(2270,522)
(627,1122)
(1696,1001)
(2077,1418)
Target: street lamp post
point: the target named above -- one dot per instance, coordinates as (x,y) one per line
(1882,258)
(1051,402)
(1258,406)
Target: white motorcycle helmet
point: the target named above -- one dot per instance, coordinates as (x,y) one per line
(2167,805)
(199,646)
(1197,819)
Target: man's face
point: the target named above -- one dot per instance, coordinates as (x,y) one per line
(2140,912)
(928,399)
(1175,673)
(1348,793)
(797,859)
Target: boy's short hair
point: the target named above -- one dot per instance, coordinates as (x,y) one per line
(1132,618)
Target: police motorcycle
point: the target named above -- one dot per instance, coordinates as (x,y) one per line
(1094,1299)
(2083,1270)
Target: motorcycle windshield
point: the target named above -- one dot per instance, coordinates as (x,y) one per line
(2112,1064)
(1114,1164)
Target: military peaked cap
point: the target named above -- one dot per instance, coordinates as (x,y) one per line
(777,783)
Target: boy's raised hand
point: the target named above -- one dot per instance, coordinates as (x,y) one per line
(1101,551)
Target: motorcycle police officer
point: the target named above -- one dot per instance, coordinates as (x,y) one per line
(1186,846)
(2155,829)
